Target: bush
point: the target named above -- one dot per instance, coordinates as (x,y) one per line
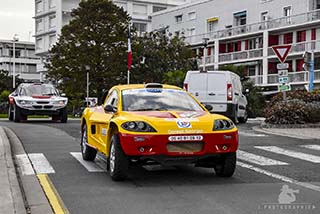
(293,111)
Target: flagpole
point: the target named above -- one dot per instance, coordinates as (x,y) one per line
(128,78)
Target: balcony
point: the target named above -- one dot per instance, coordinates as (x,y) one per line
(241,55)
(258,27)
(300,47)
(295,77)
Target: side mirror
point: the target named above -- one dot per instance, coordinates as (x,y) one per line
(208,107)
(109,108)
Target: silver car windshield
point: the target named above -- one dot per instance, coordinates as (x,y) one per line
(39,90)
(158,99)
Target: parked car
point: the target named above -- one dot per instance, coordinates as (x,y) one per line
(222,90)
(155,123)
(37,99)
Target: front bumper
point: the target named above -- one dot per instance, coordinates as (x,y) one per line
(43,111)
(154,145)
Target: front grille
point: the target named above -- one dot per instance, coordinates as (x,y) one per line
(42,102)
(184,146)
(37,107)
(47,107)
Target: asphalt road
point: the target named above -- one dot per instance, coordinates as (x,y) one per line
(254,188)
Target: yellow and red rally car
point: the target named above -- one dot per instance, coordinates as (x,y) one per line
(149,123)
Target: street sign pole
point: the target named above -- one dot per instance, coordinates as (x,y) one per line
(311,77)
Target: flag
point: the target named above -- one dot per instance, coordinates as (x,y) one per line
(129,50)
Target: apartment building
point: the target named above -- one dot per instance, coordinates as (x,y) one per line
(243,32)
(25,60)
(52,15)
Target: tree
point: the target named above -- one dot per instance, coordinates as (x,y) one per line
(6,81)
(155,54)
(94,41)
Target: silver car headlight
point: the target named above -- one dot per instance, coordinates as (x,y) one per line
(223,124)
(59,102)
(25,102)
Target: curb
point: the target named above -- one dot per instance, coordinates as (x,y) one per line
(35,200)
(11,199)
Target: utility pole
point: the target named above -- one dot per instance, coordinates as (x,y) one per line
(15,39)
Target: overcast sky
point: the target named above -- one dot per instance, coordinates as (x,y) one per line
(16,18)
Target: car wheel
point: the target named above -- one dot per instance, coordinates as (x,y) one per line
(235,116)
(10,113)
(16,114)
(227,165)
(64,115)
(88,153)
(244,118)
(118,162)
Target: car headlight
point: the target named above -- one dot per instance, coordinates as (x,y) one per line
(25,102)
(137,126)
(223,124)
(59,102)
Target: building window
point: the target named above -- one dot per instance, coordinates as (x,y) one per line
(264,16)
(301,36)
(240,18)
(288,38)
(157,8)
(287,11)
(192,15)
(52,3)
(192,32)
(121,5)
(317,4)
(252,70)
(177,33)
(52,21)
(52,40)
(39,25)
(140,9)
(140,27)
(39,6)
(39,44)
(178,18)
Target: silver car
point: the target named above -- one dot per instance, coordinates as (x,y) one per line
(37,99)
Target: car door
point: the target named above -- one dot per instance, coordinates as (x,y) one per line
(197,85)
(216,94)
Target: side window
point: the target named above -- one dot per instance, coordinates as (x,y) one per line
(113,99)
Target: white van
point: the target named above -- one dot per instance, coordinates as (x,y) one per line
(222,90)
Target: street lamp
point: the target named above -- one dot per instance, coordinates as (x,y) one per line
(14,40)
(87,67)
(205,44)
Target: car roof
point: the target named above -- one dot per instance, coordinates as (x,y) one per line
(28,84)
(138,86)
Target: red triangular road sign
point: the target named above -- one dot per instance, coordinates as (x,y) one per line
(281,51)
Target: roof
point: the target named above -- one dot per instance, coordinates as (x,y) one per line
(137,86)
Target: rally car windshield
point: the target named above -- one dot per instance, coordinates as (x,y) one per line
(39,90)
(155,99)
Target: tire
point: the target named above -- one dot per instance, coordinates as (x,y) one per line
(227,165)
(244,118)
(118,162)
(64,115)
(10,113)
(16,114)
(235,115)
(88,153)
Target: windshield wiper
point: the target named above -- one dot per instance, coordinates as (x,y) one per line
(151,109)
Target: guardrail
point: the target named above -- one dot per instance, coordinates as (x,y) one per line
(300,47)
(294,77)
(240,55)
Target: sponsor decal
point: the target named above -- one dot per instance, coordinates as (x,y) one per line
(188,131)
(184,124)
(185,138)
(104,131)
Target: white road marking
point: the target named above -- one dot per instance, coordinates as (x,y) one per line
(290,153)
(90,166)
(280,177)
(314,147)
(257,159)
(24,164)
(249,134)
(40,163)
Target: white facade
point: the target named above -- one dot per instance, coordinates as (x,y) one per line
(25,60)
(52,15)
(243,33)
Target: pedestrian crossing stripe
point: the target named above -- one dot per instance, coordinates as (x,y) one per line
(291,153)
(91,166)
(250,134)
(257,159)
(314,147)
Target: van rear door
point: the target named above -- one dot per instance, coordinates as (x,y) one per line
(197,85)
(217,91)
